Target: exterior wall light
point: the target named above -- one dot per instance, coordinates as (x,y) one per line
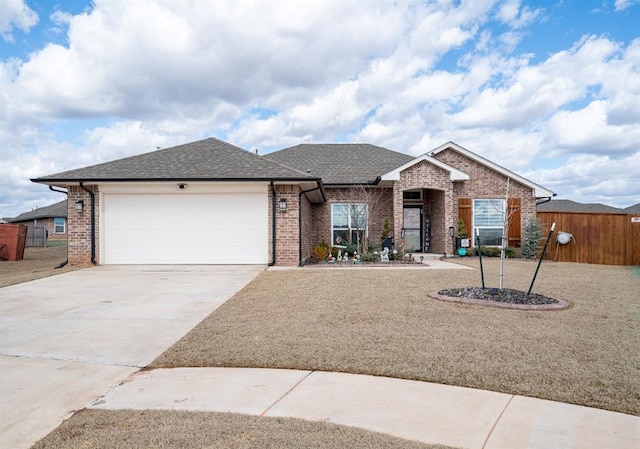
(79,206)
(283,204)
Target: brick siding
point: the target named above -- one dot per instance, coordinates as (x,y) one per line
(79,226)
(287,238)
(381,207)
(487,183)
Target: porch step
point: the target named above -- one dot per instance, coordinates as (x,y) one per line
(426,256)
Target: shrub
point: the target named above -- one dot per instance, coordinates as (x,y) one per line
(533,233)
(493,251)
(386,229)
(320,252)
(397,256)
(462,232)
(368,257)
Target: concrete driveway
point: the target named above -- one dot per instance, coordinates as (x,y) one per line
(67,339)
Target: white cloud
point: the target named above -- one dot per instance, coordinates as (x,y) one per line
(149,73)
(513,14)
(621,5)
(15,13)
(584,178)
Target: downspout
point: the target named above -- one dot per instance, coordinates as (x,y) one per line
(62,264)
(273,225)
(93,222)
(317,187)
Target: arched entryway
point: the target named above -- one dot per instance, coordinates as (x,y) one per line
(424,227)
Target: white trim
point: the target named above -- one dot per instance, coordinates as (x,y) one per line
(454,173)
(539,191)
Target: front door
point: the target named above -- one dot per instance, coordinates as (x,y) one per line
(412,229)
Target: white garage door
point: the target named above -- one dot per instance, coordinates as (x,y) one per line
(185,228)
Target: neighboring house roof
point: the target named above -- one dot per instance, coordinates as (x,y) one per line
(635,209)
(53,210)
(341,163)
(208,159)
(454,173)
(572,206)
(540,192)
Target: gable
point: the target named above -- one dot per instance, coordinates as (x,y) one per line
(454,173)
(443,153)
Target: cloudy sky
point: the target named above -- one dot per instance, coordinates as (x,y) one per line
(549,89)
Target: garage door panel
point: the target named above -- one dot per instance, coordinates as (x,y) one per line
(224,228)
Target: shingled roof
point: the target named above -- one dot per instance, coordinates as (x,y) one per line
(208,159)
(342,163)
(572,206)
(53,210)
(635,209)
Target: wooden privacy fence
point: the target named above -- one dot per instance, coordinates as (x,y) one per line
(609,239)
(36,236)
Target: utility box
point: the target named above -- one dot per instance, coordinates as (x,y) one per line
(12,241)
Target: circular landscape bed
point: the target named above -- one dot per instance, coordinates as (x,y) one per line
(496,297)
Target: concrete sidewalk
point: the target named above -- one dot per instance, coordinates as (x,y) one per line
(421,411)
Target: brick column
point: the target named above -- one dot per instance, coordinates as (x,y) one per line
(79,226)
(287,232)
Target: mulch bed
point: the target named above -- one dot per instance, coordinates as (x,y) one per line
(351,263)
(499,297)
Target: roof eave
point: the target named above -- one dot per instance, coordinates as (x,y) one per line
(73,181)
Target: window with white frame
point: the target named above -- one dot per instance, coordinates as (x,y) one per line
(488,220)
(58,225)
(348,222)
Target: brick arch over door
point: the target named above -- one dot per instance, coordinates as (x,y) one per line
(437,182)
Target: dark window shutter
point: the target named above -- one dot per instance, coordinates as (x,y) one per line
(464,213)
(513,210)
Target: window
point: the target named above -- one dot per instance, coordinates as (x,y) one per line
(348,222)
(488,219)
(409,195)
(58,225)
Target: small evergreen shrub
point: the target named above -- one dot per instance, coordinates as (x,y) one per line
(533,233)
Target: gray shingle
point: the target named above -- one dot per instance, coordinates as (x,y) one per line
(635,209)
(53,210)
(572,206)
(208,159)
(343,163)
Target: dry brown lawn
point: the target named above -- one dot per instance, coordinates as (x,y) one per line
(37,263)
(127,429)
(382,322)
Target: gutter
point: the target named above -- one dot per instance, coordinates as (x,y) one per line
(93,222)
(273,225)
(317,187)
(546,200)
(62,264)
